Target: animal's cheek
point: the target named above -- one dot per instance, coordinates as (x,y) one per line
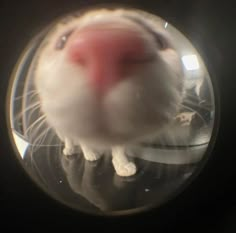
(60,79)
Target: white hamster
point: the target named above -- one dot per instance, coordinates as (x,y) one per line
(107,79)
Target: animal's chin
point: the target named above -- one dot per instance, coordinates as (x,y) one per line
(119,122)
(101,139)
(109,132)
(108,137)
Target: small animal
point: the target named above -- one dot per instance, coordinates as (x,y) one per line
(107,79)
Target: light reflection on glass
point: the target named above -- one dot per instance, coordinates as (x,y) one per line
(190,62)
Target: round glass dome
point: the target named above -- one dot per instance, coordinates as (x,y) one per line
(156,166)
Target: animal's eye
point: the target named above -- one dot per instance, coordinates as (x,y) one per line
(161,42)
(131,60)
(62,40)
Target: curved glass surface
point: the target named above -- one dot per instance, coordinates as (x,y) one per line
(165,164)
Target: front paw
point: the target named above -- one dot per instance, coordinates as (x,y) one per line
(69,151)
(126,169)
(91,156)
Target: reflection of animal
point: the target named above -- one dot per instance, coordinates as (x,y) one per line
(100,186)
(92,181)
(107,79)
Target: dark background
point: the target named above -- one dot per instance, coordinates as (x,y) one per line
(209,204)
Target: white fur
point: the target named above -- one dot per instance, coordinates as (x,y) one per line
(137,107)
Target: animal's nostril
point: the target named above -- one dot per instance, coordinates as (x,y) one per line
(104,51)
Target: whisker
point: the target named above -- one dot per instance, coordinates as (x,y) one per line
(58,144)
(31,117)
(32,107)
(34,96)
(26,94)
(42,118)
(37,128)
(51,139)
(38,141)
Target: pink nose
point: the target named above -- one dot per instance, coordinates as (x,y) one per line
(106,54)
